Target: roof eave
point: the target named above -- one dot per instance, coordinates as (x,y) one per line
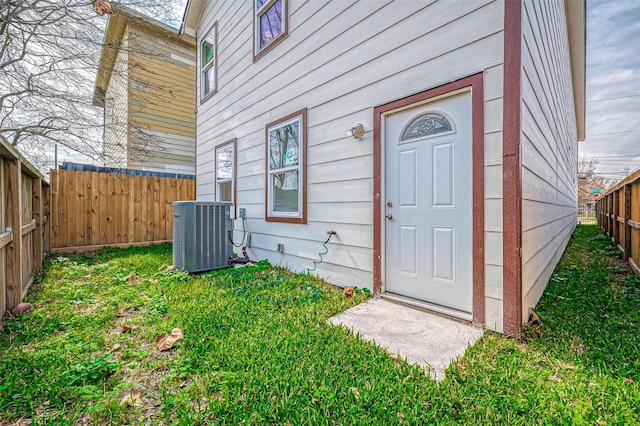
(576,24)
(111,44)
(191,19)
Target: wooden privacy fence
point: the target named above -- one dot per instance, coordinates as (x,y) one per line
(618,214)
(90,210)
(24,238)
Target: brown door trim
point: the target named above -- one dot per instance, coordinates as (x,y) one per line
(511,172)
(475,82)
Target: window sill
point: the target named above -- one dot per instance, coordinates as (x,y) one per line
(208,96)
(283,219)
(269,47)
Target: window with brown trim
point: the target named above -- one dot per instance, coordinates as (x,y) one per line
(286,176)
(225,165)
(270,19)
(209,64)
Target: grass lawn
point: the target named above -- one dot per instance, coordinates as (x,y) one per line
(257,350)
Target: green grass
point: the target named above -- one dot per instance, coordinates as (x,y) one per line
(257,350)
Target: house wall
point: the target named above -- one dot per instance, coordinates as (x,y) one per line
(162,100)
(116,111)
(549,145)
(339,61)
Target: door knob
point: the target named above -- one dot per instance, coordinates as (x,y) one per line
(389,217)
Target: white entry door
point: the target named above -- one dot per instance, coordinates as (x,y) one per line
(428,202)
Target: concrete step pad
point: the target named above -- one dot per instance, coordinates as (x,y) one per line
(429,340)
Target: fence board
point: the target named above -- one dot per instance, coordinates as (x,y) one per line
(63,222)
(162,224)
(171,196)
(156,209)
(26,188)
(46,211)
(53,215)
(117,208)
(37,203)
(113,209)
(94,238)
(27,263)
(103,211)
(3,250)
(111,225)
(86,206)
(70,203)
(131,203)
(149,221)
(139,220)
(78,217)
(124,210)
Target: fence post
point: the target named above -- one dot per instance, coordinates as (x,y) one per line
(13,189)
(605,214)
(615,213)
(611,218)
(627,225)
(36,205)
(46,218)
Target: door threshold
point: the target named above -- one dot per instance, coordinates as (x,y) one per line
(428,307)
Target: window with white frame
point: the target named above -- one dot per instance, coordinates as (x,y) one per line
(286,169)
(209,59)
(270,24)
(225,171)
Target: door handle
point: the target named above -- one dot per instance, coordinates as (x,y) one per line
(389,216)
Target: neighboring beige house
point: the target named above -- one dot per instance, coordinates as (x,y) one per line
(461,193)
(146,85)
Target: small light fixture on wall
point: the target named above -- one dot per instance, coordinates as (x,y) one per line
(356,131)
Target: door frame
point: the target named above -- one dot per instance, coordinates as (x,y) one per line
(475,84)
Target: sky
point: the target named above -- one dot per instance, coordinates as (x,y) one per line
(613,86)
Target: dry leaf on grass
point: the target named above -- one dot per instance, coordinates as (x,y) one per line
(116,347)
(126,329)
(22,308)
(553,378)
(132,398)
(166,341)
(133,280)
(348,291)
(627,381)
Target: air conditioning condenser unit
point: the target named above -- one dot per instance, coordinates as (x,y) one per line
(200,235)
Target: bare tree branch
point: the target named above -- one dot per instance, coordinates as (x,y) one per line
(589,179)
(49,58)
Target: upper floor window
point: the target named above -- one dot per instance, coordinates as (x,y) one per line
(286,168)
(225,172)
(270,24)
(208,63)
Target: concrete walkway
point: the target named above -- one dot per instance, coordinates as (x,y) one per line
(422,338)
